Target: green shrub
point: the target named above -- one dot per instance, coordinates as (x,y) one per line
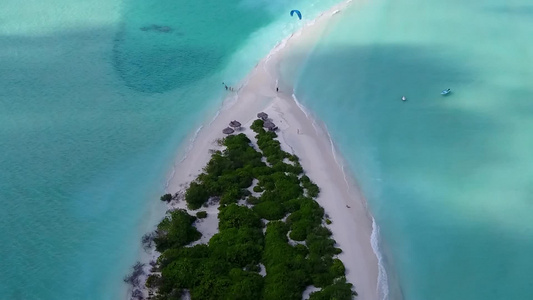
(201,214)
(196,195)
(211,286)
(260,171)
(293,158)
(182,272)
(293,204)
(322,280)
(238,247)
(197,252)
(340,290)
(267,182)
(287,186)
(166,197)
(253,268)
(252,200)
(235,216)
(257,126)
(296,169)
(153,281)
(283,283)
(320,245)
(269,210)
(286,277)
(245,285)
(322,231)
(298,233)
(305,220)
(176,230)
(301,250)
(231,195)
(328,221)
(258,189)
(337,268)
(312,190)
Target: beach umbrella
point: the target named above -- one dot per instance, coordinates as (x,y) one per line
(235,124)
(263,116)
(270,126)
(228,130)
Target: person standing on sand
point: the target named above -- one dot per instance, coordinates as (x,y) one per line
(277,89)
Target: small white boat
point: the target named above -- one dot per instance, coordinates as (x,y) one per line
(403,98)
(446,92)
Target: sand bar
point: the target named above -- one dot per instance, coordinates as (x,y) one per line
(298,133)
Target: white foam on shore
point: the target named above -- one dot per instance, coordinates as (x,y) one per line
(306,112)
(383,281)
(334,151)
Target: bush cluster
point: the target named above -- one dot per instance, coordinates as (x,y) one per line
(201,214)
(311,187)
(217,270)
(175,231)
(166,197)
(271,149)
(228,266)
(228,174)
(338,290)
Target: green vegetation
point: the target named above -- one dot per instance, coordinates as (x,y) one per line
(228,174)
(176,231)
(201,214)
(311,187)
(166,197)
(228,266)
(338,290)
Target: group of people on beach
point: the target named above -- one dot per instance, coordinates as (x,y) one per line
(228,88)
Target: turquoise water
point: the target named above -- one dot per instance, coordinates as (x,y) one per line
(448,179)
(95,99)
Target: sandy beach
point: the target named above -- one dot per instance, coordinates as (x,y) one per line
(300,134)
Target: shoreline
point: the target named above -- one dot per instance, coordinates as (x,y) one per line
(299,132)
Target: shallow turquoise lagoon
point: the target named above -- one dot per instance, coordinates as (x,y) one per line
(96,98)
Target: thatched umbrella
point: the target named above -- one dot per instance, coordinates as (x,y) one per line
(228,130)
(235,124)
(270,126)
(263,116)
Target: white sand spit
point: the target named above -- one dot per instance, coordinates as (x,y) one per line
(305,137)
